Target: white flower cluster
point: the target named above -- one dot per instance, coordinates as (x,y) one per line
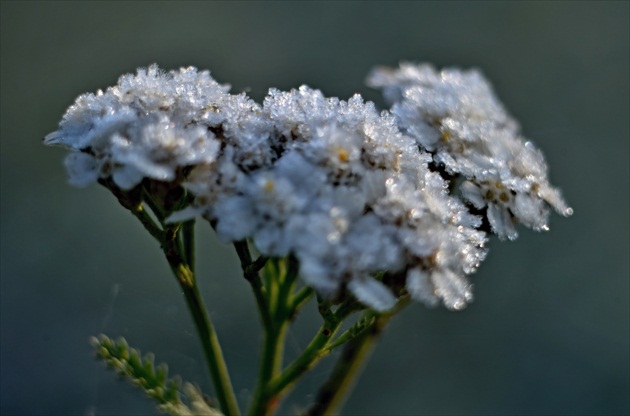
(148,126)
(349,192)
(455,115)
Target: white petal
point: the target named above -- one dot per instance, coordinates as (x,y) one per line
(126,177)
(185,214)
(236,219)
(472,193)
(372,293)
(421,287)
(501,222)
(83,169)
(454,290)
(318,275)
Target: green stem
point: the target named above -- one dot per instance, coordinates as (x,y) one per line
(243,253)
(250,272)
(333,393)
(278,305)
(286,277)
(353,332)
(132,201)
(270,365)
(158,211)
(205,329)
(212,351)
(316,349)
(141,214)
(279,280)
(179,253)
(188,242)
(300,299)
(311,355)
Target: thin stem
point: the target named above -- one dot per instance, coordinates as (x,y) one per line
(271,276)
(155,208)
(316,349)
(212,351)
(261,302)
(311,355)
(333,393)
(279,278)
(271,358)
(243,253)
(300,299)
(179,252)
(250,272)
(270,364)
(188,242)
(141,214)
(205,329)
(131,200)
(357,329)
(286,282)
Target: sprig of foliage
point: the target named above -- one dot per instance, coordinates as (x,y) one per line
(154,381)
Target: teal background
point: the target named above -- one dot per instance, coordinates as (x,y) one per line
(548,332)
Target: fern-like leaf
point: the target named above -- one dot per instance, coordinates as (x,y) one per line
(154,381)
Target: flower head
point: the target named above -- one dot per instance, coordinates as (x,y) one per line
(456,116)
(364,200)
(149,125)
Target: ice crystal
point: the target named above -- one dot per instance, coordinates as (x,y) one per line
(456,116)
(148,126)
(350,192)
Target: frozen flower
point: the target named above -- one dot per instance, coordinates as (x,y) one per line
(455,115)
(364,200)
(350,196)
(147,126)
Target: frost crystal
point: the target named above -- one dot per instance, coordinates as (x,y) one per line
(364,200)
(148,126)
(455,115)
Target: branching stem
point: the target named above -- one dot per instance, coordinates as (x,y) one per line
(177,243)
(332,394)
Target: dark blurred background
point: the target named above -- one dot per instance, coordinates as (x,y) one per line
(548,332)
